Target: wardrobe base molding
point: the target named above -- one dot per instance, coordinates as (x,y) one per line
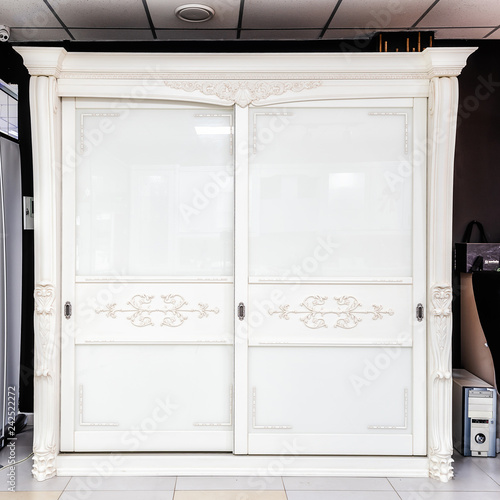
(222,464)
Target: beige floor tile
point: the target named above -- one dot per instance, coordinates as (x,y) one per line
(30,495)
(230,495)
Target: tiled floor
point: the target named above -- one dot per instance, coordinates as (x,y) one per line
(475,479)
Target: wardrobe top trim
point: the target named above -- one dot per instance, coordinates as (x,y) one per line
(430,63)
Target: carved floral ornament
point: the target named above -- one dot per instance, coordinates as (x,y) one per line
(441,296)
(242,92)
(45,297)
(348,312)
(173,308)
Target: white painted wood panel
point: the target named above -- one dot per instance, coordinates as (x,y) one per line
(419,361)
(347,314)
(156,441)
(133,392)
(241,283)
(336,260)
(323,444)
(153,312)
(149,274)
(329,390)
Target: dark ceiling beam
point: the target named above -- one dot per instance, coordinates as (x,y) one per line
(325,27)
(46,2)
(240,19)
(424,14)
(150,19)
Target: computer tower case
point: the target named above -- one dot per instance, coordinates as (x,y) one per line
(474,415)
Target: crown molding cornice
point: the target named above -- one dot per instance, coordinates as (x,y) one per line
(446,61)
(43,61)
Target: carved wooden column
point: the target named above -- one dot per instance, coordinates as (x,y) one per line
(443,104)
(45,121)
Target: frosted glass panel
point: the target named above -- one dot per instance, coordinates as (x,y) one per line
(154,193)
(331,390)
(331,192)
(123,384)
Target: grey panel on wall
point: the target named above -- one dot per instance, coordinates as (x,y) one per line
(11,226)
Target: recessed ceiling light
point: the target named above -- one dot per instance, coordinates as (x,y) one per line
(194,13)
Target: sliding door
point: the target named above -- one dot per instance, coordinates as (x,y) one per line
(336,270)
(296,329)
(148,277)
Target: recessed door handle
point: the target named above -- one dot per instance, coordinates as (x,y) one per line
(420,312)
(68,310)
(241,311)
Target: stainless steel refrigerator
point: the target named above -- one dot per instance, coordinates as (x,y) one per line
(11,227)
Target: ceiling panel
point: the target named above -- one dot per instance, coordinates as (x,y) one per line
(26,13)
(453,13)
(163,14)
(196,34)
(262,19)
(111,34)
(286,13)
(309,34)
(101,14)
(462,33)
(379,14)
(33,34)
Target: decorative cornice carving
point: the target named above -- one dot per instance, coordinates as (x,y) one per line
(44,311)
(242,92)
(441,296)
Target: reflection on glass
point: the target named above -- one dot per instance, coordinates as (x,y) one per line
(331,194)
(154,193)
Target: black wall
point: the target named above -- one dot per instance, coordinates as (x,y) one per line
(477,164)
(477,155)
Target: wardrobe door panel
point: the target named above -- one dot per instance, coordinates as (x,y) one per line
(336,271)
(148,242)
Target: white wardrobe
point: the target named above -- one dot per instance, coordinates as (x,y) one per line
(242,258)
